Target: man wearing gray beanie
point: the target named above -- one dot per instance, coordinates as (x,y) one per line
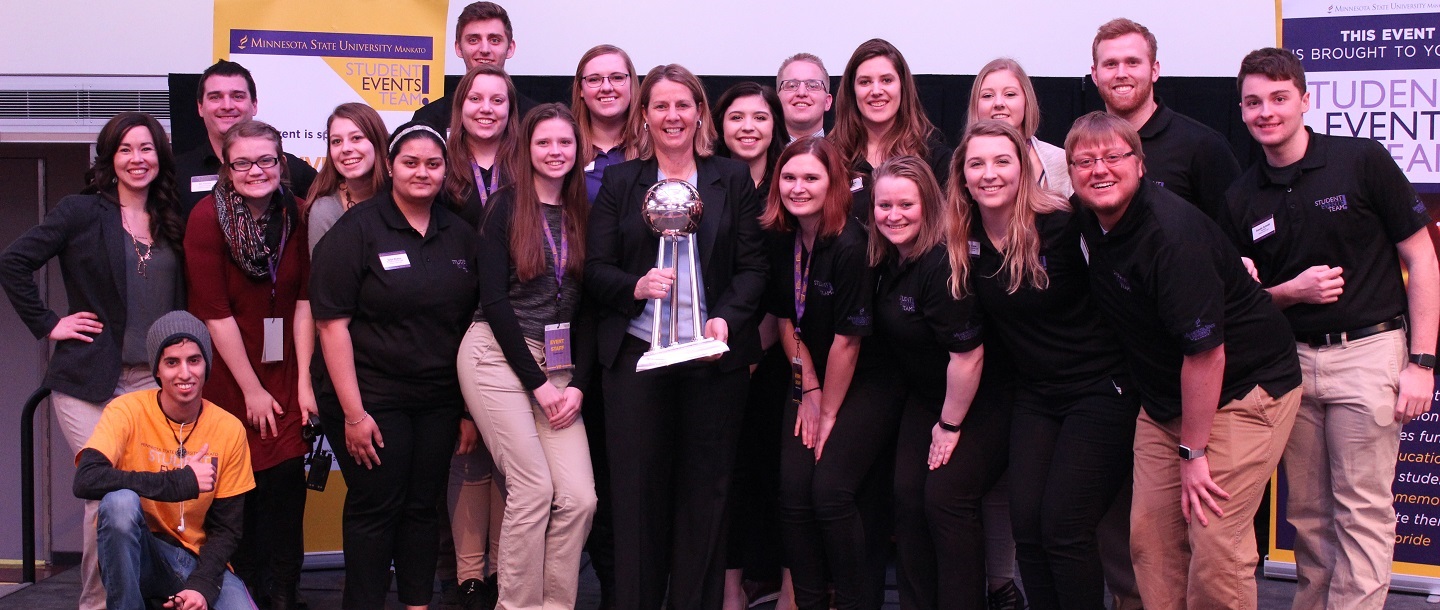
(169,519)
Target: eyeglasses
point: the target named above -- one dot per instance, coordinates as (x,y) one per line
(593,81)
(244,165)
(810,84)
(1111,160)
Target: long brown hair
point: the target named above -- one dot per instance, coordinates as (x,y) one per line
(161,204)
(704,136)
(912,128)
(932,208)
(459,179)
(836,208)
(527,244)
(582,112)
(1021,250)
(328,180)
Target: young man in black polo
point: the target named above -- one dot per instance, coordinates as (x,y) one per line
(1211,359)
(482,36)
(226,97)
(1182,155)
(1328,220)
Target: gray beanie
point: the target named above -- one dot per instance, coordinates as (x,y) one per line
(170,329)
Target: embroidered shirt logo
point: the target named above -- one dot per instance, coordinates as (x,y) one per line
(1120,279)
(860,318)
(1333,204)
(461,264)
(824,288)
(1419,206)
(1200,332)
(907,304)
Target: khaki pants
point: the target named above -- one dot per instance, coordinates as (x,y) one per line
(1180,566)
(1339,465)
(549,484)
(77,420)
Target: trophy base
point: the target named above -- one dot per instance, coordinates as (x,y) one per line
(680,352)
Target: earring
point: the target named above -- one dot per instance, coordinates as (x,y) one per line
(697,123)
(645,126)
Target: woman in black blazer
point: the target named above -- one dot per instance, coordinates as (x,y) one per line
(119,248)
(673,431)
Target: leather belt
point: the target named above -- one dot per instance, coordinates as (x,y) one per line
(1324,339)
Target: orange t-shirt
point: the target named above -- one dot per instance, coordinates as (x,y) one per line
(135,435)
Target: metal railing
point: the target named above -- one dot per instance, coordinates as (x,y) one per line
(27,484)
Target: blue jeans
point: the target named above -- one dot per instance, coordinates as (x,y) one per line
(135,565)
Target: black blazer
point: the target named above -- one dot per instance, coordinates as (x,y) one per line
(86,233)
(620,249)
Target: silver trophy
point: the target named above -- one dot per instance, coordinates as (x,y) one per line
(672,210)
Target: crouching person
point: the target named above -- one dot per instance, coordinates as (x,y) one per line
(170,471)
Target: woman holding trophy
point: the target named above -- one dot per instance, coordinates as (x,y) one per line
(673,412)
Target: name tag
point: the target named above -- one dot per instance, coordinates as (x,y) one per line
(857,183)
(796,392)
(203,184)
(394,260)
(1263,229)
(557,347)
(974,248)
(274,349)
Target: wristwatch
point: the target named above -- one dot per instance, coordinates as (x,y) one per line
(1424,360)
(1188,454)
(947,426)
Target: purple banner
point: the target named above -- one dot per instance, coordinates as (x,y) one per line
(1416,490)
(331,44)
(1370,42)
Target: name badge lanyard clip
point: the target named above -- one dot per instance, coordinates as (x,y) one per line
(802,287)
(481,188)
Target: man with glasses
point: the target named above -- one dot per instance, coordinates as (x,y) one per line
(226,97)
(1211,358)
(1328,221)
(482,36)
(804,88)
(1182,155)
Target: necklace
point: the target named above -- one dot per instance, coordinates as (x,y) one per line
(345,192)
(143,247)
(180,451)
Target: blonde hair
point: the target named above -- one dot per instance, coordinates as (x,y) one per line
(704,136)
(1031,123)
(932,209)
(1021,251)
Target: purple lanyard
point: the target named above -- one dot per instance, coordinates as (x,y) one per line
(481,188)
(274,262)
(561,255)
(802,280)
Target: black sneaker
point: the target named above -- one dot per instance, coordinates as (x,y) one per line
(476,594)
(1007,597)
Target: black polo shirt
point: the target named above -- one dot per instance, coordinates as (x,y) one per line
(437,113)
(1056,332)
(862,184)
(196,172)
(1188,158)
(1329,208)
(1171,285)
(921,323)
(839,296)
(409,298)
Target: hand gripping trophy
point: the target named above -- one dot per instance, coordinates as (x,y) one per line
(672,210)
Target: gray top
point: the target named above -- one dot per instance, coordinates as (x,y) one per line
(324,211)
(147,296)
(534,301)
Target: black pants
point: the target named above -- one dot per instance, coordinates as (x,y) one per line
(821,521)
(1068,457)
(754,540)
(390,514)
(272,544)
(939,539)
(600,544)
(672,436)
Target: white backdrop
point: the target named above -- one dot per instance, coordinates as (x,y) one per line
(1050,37)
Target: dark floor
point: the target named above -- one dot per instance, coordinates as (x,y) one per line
(321,588)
